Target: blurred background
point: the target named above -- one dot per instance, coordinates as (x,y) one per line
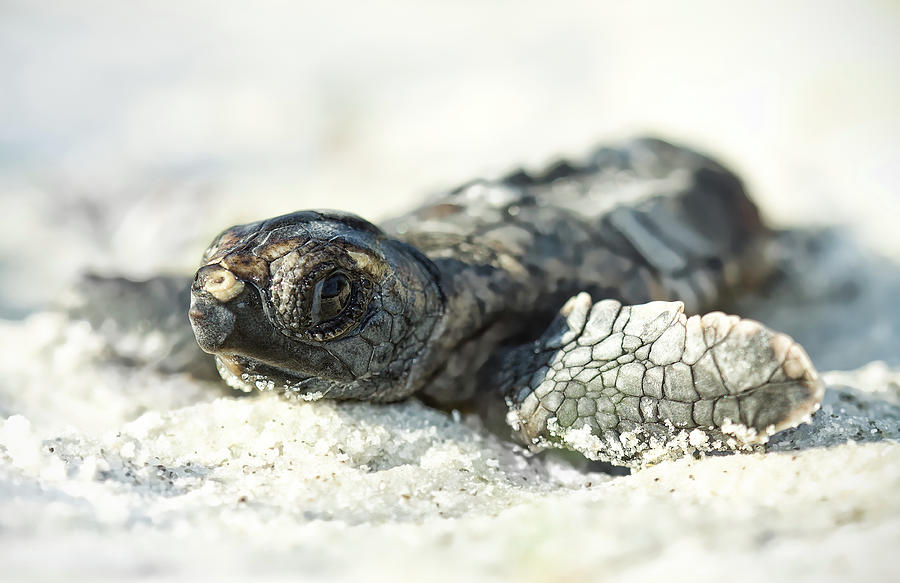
(132,132)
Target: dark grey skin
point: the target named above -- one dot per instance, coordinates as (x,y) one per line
(480,294)
(371,347)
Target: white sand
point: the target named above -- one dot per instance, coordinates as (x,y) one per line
(133,134)
(110,474)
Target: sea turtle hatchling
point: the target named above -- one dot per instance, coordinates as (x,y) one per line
(489,292)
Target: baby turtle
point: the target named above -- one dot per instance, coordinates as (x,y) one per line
(487,292)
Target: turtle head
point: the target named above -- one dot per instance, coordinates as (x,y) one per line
(315,303)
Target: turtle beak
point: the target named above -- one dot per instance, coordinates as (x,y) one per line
(211,319)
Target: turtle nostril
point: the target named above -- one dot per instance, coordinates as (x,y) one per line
(220,283)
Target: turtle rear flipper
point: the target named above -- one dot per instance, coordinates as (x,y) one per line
(143,323)
(634,384)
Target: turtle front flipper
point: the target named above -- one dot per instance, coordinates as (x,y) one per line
(142,323)
(632,385)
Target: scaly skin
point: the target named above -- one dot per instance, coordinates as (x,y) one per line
(326,304)
(625,383)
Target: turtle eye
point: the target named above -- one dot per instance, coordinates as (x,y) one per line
(330,296)
(316,302)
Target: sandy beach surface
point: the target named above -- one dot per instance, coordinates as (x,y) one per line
(131,133)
